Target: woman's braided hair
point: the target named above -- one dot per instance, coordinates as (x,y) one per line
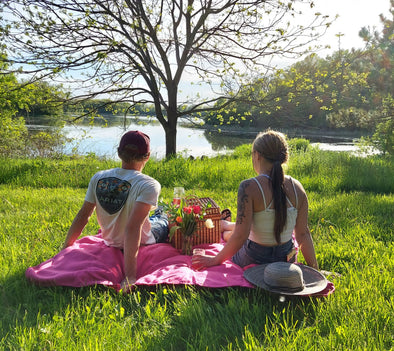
(273,147)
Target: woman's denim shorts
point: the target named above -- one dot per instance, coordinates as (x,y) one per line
(252,252)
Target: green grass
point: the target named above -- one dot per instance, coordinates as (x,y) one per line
(351,219)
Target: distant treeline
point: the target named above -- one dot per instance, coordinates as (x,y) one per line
(349,90)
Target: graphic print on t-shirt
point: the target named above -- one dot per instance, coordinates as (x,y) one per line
(112,193)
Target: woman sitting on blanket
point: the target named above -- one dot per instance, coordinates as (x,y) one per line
(270,207)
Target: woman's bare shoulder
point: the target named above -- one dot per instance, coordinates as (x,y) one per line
(292,181)
(294,184)
(247,183)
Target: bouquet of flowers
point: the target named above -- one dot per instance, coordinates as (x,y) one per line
(187,217)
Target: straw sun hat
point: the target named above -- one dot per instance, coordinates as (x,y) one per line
(286,278)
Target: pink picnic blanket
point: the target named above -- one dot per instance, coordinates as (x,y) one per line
(90,262)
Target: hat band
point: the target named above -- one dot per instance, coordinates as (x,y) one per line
(286,288)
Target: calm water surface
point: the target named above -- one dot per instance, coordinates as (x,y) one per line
(103,141)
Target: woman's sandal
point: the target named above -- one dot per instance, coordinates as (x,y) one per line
(226,215)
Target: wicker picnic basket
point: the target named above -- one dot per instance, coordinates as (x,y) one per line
(204,235)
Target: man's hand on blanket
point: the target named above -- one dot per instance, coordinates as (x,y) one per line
(127,285)
(203,261)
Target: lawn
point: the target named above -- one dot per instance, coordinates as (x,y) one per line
(351,218)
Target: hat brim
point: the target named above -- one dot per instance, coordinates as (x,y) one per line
(313,279)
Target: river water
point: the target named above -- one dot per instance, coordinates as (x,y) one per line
(103,140)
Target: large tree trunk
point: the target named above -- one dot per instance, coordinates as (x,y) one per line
(170,132)
(172,119)
(170,142)
(169,124)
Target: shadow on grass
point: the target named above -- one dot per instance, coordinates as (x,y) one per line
(333,217)
(216,318)
(373,174)
(194,316)
(22,302)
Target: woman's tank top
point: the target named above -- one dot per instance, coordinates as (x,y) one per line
(262,231)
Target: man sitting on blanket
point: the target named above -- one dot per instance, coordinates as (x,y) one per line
(123,198)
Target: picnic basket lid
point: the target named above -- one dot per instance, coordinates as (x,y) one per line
(203,202)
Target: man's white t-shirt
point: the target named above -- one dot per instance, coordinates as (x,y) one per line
(115,191)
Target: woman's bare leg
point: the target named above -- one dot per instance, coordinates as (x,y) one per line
(227,229)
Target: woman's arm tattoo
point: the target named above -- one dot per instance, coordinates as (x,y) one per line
(243,199)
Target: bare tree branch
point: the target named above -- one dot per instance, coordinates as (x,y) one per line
(140,51)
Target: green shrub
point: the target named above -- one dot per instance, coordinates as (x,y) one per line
(13,133)
(298,144)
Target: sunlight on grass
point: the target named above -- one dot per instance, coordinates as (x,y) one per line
(351,220)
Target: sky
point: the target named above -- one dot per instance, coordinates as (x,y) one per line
(353,15)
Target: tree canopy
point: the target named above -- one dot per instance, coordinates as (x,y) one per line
(18,102)
(349,89)
(141,51)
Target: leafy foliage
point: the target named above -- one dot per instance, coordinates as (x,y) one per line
(383,137)
(348,90)
(139,51)
(302,95)
(12,135)
(44,104)
(12,129)
(20,102)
